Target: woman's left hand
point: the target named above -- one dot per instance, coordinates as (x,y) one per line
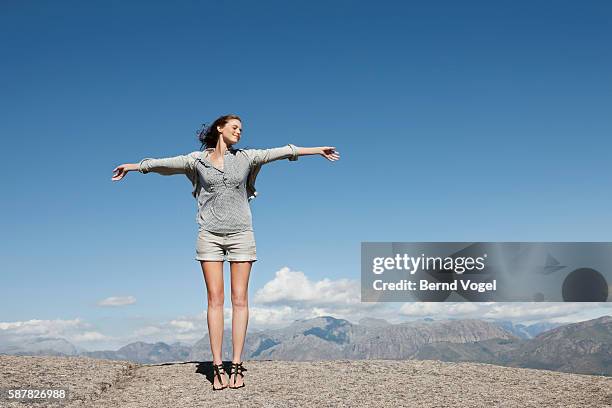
(329,153)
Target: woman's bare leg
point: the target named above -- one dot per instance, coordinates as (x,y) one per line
(213,276)
(240,272)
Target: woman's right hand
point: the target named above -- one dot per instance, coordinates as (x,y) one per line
(122,170)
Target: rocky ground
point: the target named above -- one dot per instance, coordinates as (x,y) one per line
(365,383)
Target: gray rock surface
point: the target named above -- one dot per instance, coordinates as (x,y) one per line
(342,383)
(85,378)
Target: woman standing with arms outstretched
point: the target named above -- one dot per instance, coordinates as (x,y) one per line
(224,182)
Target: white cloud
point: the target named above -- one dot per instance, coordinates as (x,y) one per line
(291,286)
(182,325)
(291,295)
(519,312)
(90,336)
(430,309)
(40,327)
(74,331)
(271,316)
(188,329)
(146,331)
(114,301)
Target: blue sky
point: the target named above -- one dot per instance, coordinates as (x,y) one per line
(456,121)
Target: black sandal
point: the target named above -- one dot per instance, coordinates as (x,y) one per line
(235,370)
(217,370)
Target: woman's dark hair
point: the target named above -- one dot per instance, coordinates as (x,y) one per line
(209,135)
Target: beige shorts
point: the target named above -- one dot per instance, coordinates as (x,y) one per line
(231,247)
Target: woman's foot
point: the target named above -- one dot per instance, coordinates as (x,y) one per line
(219,378)
(236,376)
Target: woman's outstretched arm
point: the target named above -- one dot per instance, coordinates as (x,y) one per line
(291,152)
(328,152)
(122,170)
(167,167)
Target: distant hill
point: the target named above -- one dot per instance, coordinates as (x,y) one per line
(373,322)
(527,332)
(141,352)
(41,346)
(325,338)
(486,351)
(584,347)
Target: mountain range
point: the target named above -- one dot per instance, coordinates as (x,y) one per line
(584,347)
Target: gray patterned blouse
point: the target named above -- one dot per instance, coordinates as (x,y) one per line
(222,195)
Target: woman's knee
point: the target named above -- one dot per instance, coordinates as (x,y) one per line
(216,299)
(240,299)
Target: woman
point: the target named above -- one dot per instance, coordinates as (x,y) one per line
(224,181)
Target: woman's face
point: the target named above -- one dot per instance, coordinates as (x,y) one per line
(231,132)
